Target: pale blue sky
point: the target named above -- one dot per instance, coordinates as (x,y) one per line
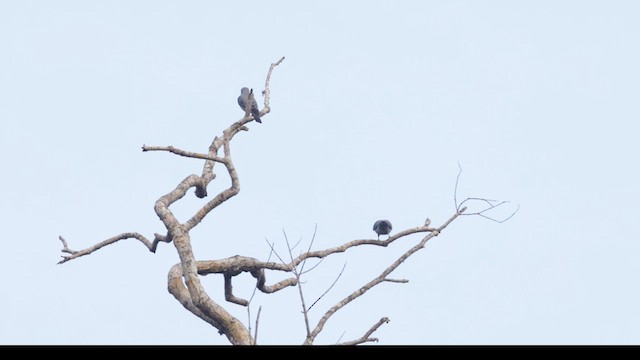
(372,109)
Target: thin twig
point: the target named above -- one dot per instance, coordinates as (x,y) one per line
(313,238)
(334,282)
(313,267)
(255,336)
(296,244)
(490,203)
(491,206)
(256,287)
(297,275)
(455,190)
(278,256)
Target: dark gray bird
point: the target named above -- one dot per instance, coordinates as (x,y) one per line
(242,101)
(382,227)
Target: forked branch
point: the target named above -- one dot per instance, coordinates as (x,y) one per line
(379,279)
(365,338)
(488,203)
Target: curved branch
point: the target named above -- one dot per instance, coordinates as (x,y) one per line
(151,245)
(238,264)
(228,292)
(231,327)
(365,338)
(162,205)
(223,196)
(176,288)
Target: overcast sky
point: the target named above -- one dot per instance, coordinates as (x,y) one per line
(373,108)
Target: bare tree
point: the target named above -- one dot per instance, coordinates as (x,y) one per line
(184,278)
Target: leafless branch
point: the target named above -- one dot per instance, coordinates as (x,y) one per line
(184,282)
(344,247)
(238,264)
(313,267)
(309,340)
(491,204)
(184,278)
(184,153)
(365,338)
(255,336)
(313,238)
(258,282)
(455,190)
(267,86)
(297,275)
(296,244)
(284,266)
(151,245)
(402,281)
(334,282)
(228,292)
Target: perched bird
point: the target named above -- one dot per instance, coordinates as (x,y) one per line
(382,227)
(242,101)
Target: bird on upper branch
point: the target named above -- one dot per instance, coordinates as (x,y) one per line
(243,99)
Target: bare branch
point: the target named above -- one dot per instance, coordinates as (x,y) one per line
(255,336)
(313,267)
(228,292)
(334,282)
(184,153)
(402,281)
(151,245)
(279,285)
(267,91)
(313,238)
(222,196)
(491,204)
(346,246)
(455,190)
(296,244)
(237,264)
(179,291)
(284,264)
(258,282)
(183,280)
(162,204)
(377,280)
(365,338)
(297,274)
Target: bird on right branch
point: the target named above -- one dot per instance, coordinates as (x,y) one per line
(382,227)
(243,99)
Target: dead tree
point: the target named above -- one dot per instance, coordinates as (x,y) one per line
(184,278)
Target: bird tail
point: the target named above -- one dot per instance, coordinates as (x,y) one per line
(256,116)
